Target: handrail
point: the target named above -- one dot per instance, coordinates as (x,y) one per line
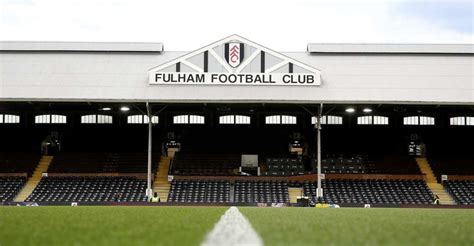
(171,166)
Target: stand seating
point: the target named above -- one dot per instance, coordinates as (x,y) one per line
(374,164)
(452,164)
(205,164)
(18,162)
(89,189)
(101,163)
(371,191)
(261,192)
(284,167)
(462,191)
(10,186)
(199,191)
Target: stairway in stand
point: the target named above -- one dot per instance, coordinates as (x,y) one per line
(294,192)
(161,184)
(432,182)
(34,180)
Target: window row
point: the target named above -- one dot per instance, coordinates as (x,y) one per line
(234,119)
(372,120)
(461,121)
(419,120)
(237,119)
(9,119)
(280,119)
(188,119)
(327,120)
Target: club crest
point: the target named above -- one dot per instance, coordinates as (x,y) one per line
(234,53)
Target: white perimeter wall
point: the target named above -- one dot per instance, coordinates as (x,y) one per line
(122,76)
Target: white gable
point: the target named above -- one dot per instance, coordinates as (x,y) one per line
(274,62)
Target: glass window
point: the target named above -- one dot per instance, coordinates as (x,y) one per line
(273,120)
(470,121)
(288,120)
(328,119)
(188,119)
(9,119)
(410,120)
(242,119)
(418,120)
(364,120)
(96,119)
(196,119)
(425,120)
(457,121)
(180,119)
(226,119)
(380,120)
(50,119)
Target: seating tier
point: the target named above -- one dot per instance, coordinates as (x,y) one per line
(101,162)
(371,191)
(261,192)
(201,191)
(18,162)
(89,189)
(10,186)
(205,164)
(462,191)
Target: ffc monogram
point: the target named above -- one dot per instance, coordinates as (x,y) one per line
(234,53)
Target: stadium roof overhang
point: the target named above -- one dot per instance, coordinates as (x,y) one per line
(225,108)
(238,71)
(462,49)
(32,46)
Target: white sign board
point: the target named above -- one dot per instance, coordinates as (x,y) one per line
(249,161)
(269,79)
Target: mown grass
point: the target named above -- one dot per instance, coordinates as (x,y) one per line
(346,226)
(106,225)
(277,226)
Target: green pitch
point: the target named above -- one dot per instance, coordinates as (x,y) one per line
(359,226)
(106,225)
(277,226)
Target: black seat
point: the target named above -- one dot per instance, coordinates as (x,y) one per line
(89,189)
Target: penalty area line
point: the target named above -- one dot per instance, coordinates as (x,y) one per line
(232,229)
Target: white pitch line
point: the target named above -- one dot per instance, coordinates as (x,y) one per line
(233,229)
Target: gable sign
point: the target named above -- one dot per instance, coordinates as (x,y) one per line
(234,61)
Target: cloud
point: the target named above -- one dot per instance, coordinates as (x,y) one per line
(452,15)
(187,25)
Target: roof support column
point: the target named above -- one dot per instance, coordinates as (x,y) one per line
(319,189)
(149,190)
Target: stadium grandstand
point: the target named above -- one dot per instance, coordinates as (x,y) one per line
(236,123)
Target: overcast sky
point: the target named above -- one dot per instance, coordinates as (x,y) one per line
(185,25)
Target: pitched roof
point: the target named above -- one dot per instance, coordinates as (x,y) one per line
(215,51)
